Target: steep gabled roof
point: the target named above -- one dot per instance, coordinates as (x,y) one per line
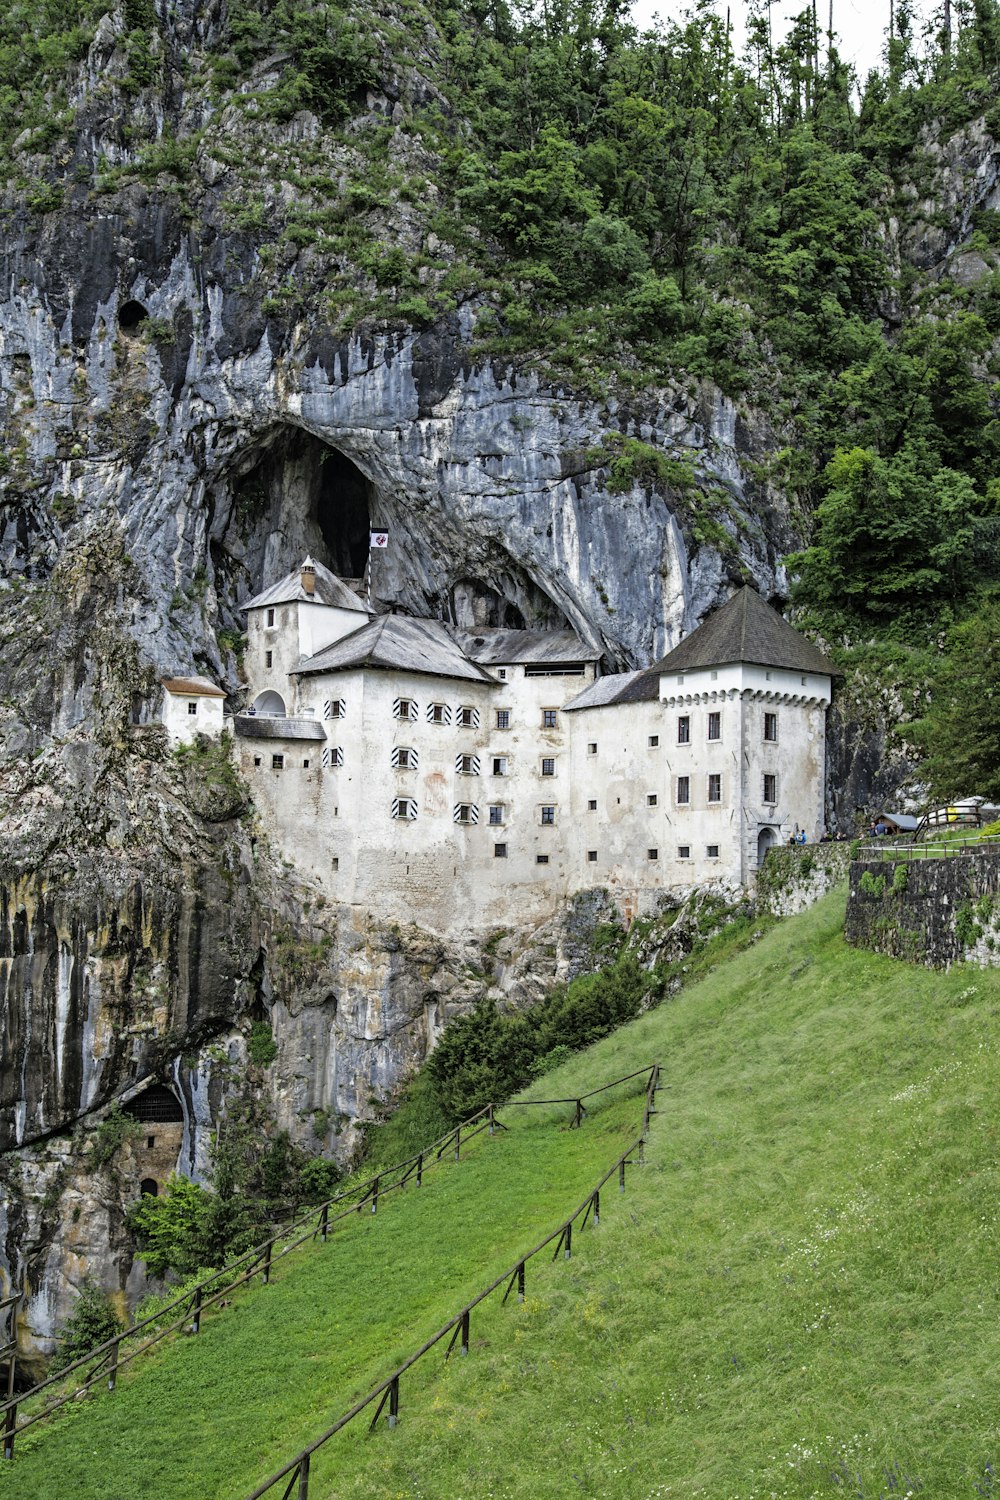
(497,647)
(330,590)
(397,642)
(746,630)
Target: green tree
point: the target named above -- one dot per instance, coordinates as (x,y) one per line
(961,730)
(92,1322)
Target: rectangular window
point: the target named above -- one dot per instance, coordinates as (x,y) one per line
(404,807)
(496,813)
(712,850)
(404,758)
(335,863)
(333,708)
(652,853)
(404,708)
(684,730)
(438,713)
(770,788)
(466,812)
(467,765)
(653,741)
(683,789)
(502,673)
(256,760)
(499,851)
(771,728)
(333,755)
(270,617)
(548,814)
(305,765)
(592,805)
(268,658)
(468,718)
(651,800)
(541,859)
(715,789)
(503,718)
(684,851)
(549,718)
(714,726)
(548,766)
(592,748)
(592,856)
(500,765)
(277,762)
(192,708)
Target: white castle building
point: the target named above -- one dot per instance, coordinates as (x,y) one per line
(471,779)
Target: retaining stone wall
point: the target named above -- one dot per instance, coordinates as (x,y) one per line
(792,879)
(930,911)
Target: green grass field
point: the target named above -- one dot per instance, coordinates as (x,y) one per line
(797,1296)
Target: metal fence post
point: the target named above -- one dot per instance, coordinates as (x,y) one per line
(458,1142)
(304,1477)
(465,1333)
(267,1262)
(375,1188)
(597,1207)
(520,1282)
(8,1432)
(394,1401)
(196,1310)
(568,1241)
(324,1222)
(621,1175)
(420,1170)
(113,1369)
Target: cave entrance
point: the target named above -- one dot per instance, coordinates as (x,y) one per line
(299,496)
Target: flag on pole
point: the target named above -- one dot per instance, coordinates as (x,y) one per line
(378,541)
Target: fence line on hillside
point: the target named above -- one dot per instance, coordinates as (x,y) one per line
(296,1470)
(315,1223)
(938,849)
(8,1357)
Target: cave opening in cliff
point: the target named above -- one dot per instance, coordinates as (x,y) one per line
(299,495)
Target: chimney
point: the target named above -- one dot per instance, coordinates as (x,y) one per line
(309,576)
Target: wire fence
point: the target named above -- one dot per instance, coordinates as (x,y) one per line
(884,850)
(386,1394)
(104,1362)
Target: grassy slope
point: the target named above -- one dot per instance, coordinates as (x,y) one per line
(796,1297)
(207,1418)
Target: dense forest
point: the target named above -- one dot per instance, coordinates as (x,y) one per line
(625,209)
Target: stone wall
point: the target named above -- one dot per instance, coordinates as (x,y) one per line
(792,879)
(930,911)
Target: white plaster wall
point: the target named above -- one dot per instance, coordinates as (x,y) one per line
(182,726)
(299,630)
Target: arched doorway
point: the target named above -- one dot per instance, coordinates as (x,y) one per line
(149,1188)
(766,839)
(270,703)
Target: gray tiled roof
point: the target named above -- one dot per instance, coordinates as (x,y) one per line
(605,690)
(401,643)
(496,647)
(330,590)
(263,727)
(746,630)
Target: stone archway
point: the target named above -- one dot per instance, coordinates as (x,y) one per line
(270,703)
(766,839)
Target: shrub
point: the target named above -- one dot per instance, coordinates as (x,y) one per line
(872,885)
(93,1321)
(112,1133)
(262,1047)
(900,880)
